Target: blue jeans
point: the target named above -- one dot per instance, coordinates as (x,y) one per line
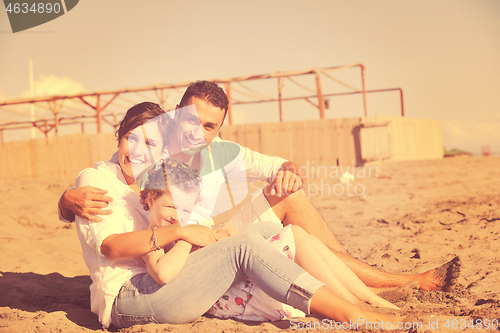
(207,275)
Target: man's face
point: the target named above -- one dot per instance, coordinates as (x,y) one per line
(197,125)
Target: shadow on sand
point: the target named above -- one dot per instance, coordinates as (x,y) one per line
(33,292)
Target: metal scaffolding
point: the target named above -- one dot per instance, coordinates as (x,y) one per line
(104,106)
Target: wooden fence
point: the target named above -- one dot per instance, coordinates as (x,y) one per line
(400,138)
(343,142)
(55,157)
(324,142)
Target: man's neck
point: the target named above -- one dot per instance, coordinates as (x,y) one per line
(176,153)
(181,157)
(192,161)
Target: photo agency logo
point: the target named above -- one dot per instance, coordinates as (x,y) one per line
(25,15)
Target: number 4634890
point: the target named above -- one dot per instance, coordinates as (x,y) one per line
(35,8)
(474,324)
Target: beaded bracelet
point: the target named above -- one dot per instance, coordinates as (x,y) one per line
(153,240)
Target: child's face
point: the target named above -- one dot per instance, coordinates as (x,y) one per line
(175,208)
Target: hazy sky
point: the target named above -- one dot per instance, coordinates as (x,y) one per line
(445,55)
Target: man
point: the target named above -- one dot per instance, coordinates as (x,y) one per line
(194,140)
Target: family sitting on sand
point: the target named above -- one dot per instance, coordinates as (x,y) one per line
(155,255)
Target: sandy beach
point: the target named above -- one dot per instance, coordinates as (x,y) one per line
(414,217)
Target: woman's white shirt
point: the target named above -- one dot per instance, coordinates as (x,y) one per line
(128,215)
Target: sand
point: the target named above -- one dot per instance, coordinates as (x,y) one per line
(414,217)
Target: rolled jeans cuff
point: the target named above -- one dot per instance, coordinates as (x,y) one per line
(301,291)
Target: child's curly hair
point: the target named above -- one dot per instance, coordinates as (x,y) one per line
(165,173)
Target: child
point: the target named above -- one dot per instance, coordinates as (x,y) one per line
(175,182)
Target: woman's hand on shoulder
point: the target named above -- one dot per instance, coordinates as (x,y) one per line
(199,235)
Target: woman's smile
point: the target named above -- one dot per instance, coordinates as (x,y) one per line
(139,149)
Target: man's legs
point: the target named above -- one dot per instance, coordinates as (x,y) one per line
(296,209)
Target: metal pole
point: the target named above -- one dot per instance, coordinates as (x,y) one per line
(56,122)
(32,94)
(321,102)
(56,115)
(364,89)
(229,106)
(98,113)
(162,100)
(279,98)
(402,104)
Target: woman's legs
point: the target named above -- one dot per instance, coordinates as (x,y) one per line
(328,305)
(209,273)
(308,257)
(312,255)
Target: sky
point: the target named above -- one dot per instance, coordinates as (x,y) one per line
(444,54)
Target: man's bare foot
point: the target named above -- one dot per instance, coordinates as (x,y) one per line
(442,278)
(402,293)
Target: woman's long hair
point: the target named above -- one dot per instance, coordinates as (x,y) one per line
(139,115)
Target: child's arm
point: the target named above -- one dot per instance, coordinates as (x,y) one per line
(163,267)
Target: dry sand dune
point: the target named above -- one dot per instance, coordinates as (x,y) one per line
(414,217)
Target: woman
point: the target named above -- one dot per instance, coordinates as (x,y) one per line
(124,294)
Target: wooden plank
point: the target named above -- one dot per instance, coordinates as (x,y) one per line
(101,147)
(17,160)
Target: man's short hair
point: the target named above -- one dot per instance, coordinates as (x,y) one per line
(208,91)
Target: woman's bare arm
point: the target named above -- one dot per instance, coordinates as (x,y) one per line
(138,243)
